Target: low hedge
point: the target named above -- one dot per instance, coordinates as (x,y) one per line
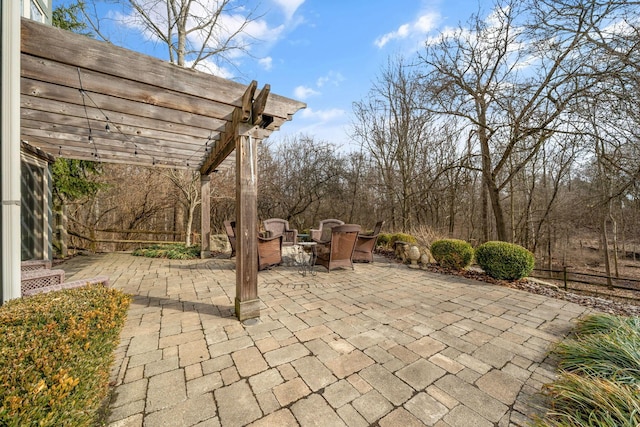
(56,352)
(452,253)
(505,261)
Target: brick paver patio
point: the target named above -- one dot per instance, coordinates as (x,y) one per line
(381,345)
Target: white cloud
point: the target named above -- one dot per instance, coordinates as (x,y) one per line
(418,28)
(208,66)
(289,7)
(325,125)
(303,92)
(333,77)
(266,63)
(323,116)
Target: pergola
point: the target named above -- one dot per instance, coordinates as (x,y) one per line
(90,100)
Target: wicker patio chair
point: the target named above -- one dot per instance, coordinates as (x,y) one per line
(269,251)
(323,233)
(230,229)
(277,226)
(338,252)
(365,245)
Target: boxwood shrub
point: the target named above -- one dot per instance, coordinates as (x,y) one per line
(56,352)
(452,253)
(504,261)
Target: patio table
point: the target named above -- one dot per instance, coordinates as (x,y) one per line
(305,257)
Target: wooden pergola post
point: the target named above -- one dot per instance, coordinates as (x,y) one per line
(205,216)
(247,303)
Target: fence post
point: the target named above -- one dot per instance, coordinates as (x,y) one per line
(564,276)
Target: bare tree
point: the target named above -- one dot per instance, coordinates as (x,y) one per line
(187,183)
(513,81)
(205,34)
(391,127)
(297,174)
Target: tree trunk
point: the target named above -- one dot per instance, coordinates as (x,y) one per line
(605,246)
(615,243)
(490,179)
(485,214)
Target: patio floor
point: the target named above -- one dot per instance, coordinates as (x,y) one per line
(382,345)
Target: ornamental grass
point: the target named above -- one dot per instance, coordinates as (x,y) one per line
(599,382)
(56,352)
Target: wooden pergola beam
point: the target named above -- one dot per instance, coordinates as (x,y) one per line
(150,101)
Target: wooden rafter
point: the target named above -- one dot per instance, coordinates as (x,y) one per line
(156,113)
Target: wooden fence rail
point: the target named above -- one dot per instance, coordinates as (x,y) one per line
(566,276)
(93,240)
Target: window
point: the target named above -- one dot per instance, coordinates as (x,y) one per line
(36,13)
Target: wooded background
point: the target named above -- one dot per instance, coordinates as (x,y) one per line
(520,125)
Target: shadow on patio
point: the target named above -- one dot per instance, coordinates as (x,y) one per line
(382,344)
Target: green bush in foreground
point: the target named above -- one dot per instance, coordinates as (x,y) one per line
(171,251)
(504,261)
(56,351)
(452,253)
(600,379)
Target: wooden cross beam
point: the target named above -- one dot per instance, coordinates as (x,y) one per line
(251,112)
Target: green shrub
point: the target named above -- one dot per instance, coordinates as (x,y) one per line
(452,253)
(384,240)
(171,251)
(56,351)
(401,237)
(504,261)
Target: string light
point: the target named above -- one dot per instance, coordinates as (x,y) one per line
(108,129)
(207,148)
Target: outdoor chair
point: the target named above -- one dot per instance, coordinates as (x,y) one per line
(338,251)
(269,251)
(323,233)
(269,247)
(230,229)
(278,226)
(365,245)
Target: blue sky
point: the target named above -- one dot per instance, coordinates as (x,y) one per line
(326,53)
